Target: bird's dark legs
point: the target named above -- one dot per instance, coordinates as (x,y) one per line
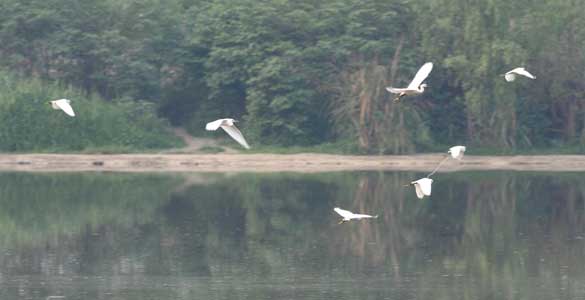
(399,97)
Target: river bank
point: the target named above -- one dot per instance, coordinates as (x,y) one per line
(307,162)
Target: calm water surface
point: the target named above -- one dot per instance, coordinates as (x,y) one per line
(482,235)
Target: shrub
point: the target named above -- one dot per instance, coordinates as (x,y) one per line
(30,124)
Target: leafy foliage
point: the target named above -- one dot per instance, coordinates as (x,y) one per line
(308,72)
(30,124)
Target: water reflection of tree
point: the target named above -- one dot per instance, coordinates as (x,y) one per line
(69,224)
(472,232)
(488,234)
(376,241)
(480,235)
(515,232)
(38,207)
(268,221)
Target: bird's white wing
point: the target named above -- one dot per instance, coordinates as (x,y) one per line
(453,151)
(344,213)
(235,133)
(213,126)
(64,105)
(461,151)
(515,70)
(421,75)
(457,151)
(425,186)
(418,191)
(523,72)
(396,90)
(361,216)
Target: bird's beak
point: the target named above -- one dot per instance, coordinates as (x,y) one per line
(341,222)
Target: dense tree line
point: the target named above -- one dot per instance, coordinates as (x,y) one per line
(305,72)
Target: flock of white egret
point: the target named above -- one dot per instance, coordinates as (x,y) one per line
(422,186)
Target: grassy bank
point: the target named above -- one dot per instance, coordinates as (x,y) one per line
(29,124)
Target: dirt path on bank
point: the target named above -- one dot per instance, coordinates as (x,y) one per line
(279,163)
(193,145)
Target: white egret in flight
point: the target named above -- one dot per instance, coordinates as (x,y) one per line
(511,75)
(228,126)
(416,86)
(64,105)
(348,215)
(457,152)
(422,187)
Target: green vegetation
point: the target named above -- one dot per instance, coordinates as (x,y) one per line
(211,149)
(307,72)
(30,124)
(340,147)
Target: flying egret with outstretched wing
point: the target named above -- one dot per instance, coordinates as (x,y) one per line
(64,105)
(416,86)
(511,75)
(228,126)
(422,187)
(348,215)
(457,152)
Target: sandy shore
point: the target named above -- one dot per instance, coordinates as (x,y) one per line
(279,163)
